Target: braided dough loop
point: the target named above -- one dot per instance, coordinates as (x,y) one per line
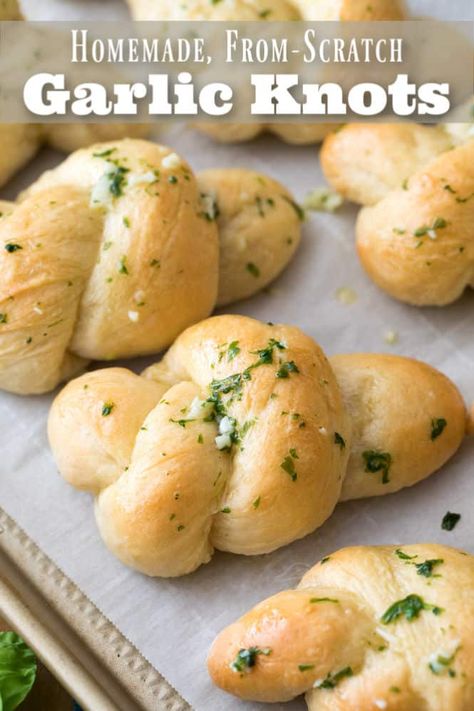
(265,460)
(181,496)
(417,243)
(332,625)
(115,252)
(90,265)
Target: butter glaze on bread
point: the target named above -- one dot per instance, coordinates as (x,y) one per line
(245,426)
(115,252)
(364,630)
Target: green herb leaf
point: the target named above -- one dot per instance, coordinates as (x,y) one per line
(17,670)
(450,521)
(305,667)
(265,355)
(288,466)
(426,568)
(437,427)
(314,600)
(410,608)
(339,440)
(107,408)
(117,180)
(233,350)
(247,658)
(297,208)
(287,368)
(10,247)
(253,269)
(376,461)
(404,556)
(332,680)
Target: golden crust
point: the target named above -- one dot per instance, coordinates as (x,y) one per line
(259,229)
(334,624)
(182,496)
(417,243)
(364,162)
(169,492)
(102,274)
(115,252)
(402,408)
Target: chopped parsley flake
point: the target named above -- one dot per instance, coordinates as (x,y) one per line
(117,180)
(182,423)
(3,318)
(426,568)
(107,408)
(265,355)
(256,503)
(437,427)
(315,600)
(233,350)
(332,680)
(339,440)
(431,232)
(10,247)
(288,465)
(122,266)
(378,462)
(247,658)
(450,520)
(286,368)
(305,667)
(404,556)
(297,208)
(105,154)
(253,269)
(410,608)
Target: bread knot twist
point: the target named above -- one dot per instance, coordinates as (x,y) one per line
(367,628)
(243,438)
(414,237)
(115,252)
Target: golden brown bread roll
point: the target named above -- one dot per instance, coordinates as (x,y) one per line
(414,237)
(114,252)
(417,242)
(364,162)
(276,10)
(245,426)
(367,628)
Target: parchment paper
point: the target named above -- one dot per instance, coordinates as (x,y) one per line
(174,622)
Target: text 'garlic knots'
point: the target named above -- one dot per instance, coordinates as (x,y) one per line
(266,10)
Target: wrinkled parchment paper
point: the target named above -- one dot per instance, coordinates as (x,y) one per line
(173,622)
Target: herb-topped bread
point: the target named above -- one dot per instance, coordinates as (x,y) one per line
(245,426)
(415,235)
(367,628)
(116,251)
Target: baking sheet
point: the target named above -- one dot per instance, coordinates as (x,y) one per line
(174,622)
